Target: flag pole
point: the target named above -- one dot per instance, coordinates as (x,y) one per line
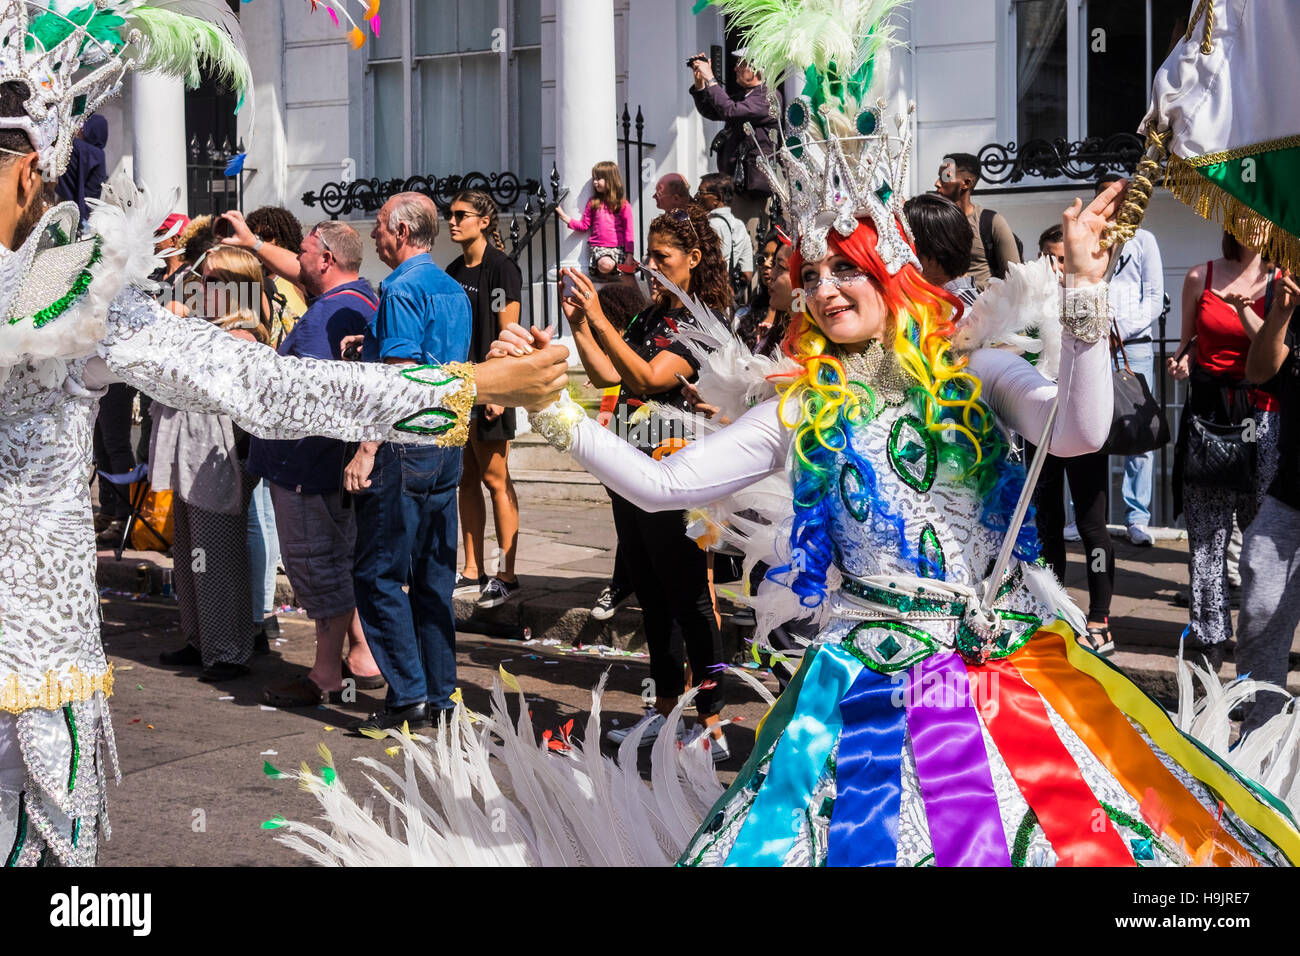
(1127,220)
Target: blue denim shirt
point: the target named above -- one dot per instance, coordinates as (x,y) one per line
(424,316)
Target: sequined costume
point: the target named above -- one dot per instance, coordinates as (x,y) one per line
(898,742)
(54,677)
(75,317)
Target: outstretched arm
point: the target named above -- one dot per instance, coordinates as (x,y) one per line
(713,467)
(191,364)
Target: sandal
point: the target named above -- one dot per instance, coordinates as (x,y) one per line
(1100,641)
(366,681)
(299,692)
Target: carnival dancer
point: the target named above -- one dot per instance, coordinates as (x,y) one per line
(944,712)
(75,316)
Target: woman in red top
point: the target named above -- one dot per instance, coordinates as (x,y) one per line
(1222,303)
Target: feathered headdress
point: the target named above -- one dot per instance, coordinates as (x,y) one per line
(73,55)
(839,161)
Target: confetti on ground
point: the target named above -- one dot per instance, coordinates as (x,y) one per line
(327,728)
(226,698)
(128,667)
(531,640)
(139,686)
(550,642)
(264,707)
(150,726)
(392,751)
(269,753)
(136,720)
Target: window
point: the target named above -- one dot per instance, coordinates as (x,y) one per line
(455,87)
(1084,67)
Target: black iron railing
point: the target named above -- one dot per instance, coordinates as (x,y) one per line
(539,214)
(368,195)
(633,174)
(1006,165)
(211,191)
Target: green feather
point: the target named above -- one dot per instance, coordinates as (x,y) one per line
(51,29)
(182,46)
(781,36)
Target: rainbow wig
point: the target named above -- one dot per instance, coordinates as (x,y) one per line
(819,406)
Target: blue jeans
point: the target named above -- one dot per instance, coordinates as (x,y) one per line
(263,552)
(1136,487)
(406,534)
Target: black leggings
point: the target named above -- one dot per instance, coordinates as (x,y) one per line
(1090,488)
(670,575)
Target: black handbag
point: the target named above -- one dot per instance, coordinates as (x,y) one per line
(1138,424)
(1222,455)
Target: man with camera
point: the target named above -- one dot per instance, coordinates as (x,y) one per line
(738,151)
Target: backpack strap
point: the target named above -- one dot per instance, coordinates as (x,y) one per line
(990,244)
(353,292)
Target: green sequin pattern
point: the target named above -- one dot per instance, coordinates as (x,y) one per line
(912,452)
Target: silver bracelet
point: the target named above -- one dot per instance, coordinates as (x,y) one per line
(259,244)
(1085,311)
(558,422)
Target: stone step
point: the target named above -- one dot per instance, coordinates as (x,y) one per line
(530,452)
(544,485)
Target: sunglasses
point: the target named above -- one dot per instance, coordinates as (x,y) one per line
(681,215)
(460,215)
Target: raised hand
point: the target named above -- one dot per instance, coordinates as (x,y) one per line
(243,237)
(1083,228)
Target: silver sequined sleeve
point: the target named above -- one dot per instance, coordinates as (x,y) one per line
(192,365)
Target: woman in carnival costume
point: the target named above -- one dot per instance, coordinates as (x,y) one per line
(941,715)
(76,316)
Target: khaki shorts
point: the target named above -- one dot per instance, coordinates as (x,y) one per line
(317,537)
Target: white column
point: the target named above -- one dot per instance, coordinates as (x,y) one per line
(586,113)
(158,135)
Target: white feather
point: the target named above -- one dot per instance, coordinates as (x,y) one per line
(1028,299)
(577,807)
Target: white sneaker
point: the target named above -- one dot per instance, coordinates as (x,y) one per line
(468,587)
(1140,536)
(653,721)
(1072,532)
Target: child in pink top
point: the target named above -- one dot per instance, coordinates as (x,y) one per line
(607,219)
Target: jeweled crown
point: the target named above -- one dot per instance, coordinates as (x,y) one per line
(68,68)
(829,177)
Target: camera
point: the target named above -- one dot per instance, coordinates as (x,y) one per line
(690,64)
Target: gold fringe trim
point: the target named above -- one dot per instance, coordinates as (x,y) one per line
(54,691)
(1250,228)
(461,402)
(1241,152)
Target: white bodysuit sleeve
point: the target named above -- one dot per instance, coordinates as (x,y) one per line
(193,365)
(1021,397)
(713,467)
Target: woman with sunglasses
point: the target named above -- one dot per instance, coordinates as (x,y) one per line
(669,572)
(494,285)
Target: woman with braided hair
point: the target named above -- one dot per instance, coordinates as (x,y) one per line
(494,286)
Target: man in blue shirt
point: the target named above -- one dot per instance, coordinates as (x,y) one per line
(406,494)
(314,518)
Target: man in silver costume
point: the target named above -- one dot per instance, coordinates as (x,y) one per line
(75,317)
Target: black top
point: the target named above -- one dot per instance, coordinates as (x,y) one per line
(1286,386)
(491,285)
(649,334)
